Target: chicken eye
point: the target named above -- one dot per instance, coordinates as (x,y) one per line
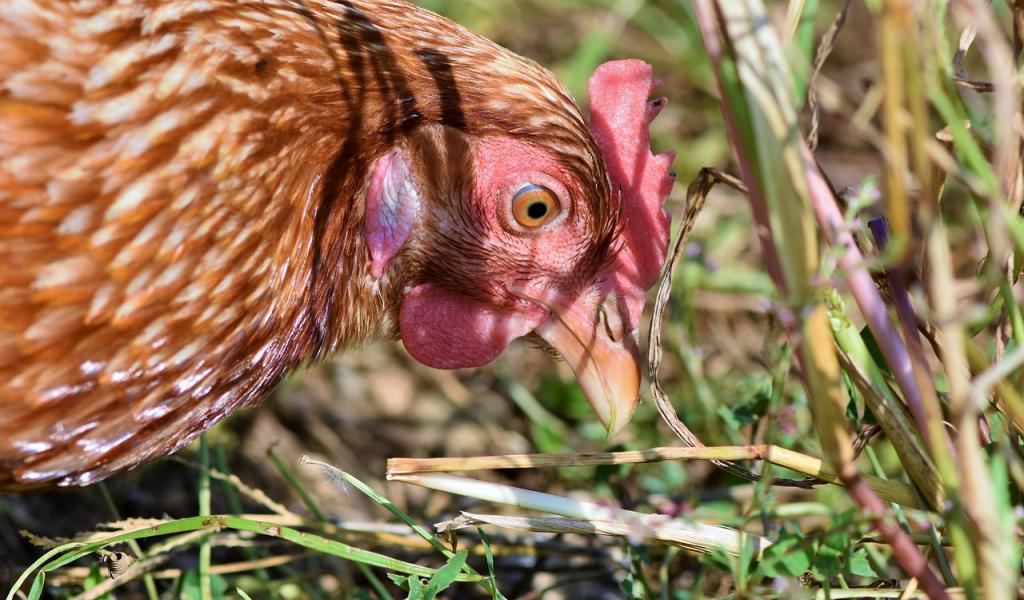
(535,205)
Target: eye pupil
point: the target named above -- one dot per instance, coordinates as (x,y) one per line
(537,210)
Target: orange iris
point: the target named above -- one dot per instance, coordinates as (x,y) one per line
(534,206)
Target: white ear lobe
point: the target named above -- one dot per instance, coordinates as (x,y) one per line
(392,207)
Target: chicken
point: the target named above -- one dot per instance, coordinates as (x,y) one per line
(197,197)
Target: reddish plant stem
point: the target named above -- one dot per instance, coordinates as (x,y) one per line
(906,552)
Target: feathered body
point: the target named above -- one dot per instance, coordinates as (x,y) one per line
(182,202)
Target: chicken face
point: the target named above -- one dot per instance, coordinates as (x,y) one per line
(499,238)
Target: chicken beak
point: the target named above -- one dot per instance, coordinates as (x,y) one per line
(604,357)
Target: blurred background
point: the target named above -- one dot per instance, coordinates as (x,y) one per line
(727,368)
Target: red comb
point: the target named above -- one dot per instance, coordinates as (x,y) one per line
(620,114)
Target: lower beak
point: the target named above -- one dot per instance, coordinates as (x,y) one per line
(606,362)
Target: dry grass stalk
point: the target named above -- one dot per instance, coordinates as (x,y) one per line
(652,530)
(76,575)
(696,196)
(891,491)
(696,536)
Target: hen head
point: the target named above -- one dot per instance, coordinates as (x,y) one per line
(500,236)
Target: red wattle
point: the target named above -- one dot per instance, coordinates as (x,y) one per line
(447,330)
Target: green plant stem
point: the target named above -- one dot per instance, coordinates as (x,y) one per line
(205,588)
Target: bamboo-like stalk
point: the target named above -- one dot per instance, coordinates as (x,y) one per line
(895,351)
(891,491)
(695,536)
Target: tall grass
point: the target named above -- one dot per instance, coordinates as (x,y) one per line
(970,442)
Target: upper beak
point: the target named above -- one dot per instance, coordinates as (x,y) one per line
(604,357)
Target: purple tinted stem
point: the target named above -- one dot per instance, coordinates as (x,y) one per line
(862,286)
(897,279)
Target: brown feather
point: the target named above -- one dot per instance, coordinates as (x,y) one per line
(180,203)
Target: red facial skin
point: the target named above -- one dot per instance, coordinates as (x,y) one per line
(549,280)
